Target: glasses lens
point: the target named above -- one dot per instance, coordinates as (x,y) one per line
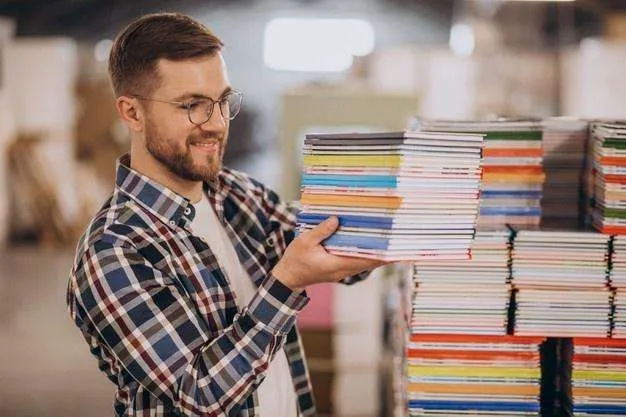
(200,111)
(233,104)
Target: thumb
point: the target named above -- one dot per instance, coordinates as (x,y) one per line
(324,229)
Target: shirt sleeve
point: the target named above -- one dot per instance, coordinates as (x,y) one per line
(156,334)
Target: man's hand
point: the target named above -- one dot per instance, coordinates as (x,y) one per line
(306,262)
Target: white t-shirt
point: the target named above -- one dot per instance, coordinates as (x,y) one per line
(276,393)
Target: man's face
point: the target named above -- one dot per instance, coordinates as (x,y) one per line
(192,152)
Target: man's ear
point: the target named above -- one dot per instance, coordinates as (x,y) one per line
(131,112)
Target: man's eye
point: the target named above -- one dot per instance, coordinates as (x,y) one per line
(192,104)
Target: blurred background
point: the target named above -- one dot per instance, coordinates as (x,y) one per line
(304,66)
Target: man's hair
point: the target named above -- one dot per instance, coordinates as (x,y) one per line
(138,48)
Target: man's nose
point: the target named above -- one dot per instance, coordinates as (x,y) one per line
(217,120)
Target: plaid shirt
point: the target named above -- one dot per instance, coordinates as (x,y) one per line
(157,310)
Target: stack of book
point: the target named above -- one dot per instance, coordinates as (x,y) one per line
(455,375)
(398,195)
(468,296)
(608,153)
(562,283)
(618,283)
(564,141)
(513,173)
(599,377)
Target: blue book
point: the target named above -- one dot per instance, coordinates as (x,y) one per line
(510,211)
(510,193)
(372,222)
(362,242)
(478,406)
(605,409)
(380,181)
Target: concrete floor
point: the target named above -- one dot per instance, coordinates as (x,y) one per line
(45,366)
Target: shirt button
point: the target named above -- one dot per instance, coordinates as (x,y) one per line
(172,223)
(187,211)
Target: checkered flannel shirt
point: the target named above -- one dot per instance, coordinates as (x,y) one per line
(157,310)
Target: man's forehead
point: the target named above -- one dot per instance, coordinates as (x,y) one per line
(203,73)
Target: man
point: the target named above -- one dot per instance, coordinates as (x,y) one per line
(187,283)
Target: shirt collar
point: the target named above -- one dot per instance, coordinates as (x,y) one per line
(171,207)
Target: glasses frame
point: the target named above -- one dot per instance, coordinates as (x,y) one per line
(185,105)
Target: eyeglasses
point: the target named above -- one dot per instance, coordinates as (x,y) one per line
(200,110)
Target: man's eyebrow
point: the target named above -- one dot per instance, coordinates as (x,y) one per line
(196,96)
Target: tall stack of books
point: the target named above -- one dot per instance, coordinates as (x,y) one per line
(454,375)
(513,172)
(398,195)
(468,296)
(564,141)
(599,377)
(608,173)
(562,283)
(397,309)
(618,284)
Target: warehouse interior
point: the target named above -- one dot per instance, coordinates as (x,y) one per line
(304,66)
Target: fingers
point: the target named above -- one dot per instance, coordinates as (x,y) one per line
(353,265)
(324,229)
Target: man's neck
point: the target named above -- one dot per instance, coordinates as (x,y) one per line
(144,163)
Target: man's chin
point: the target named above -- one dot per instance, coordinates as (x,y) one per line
(208,174)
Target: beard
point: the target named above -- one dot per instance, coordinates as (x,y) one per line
(180,159)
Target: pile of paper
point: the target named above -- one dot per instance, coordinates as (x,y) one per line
(618,283)
(454,375)
(599,377)
(561,282)
(468,296)
(608,153)
(512,169)
(398,195)
(564,141)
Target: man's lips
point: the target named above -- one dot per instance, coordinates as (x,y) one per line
(206,146)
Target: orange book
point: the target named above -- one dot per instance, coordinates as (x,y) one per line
(513,152)
(613,230)
(599,392)
(613,160)
(602,359)
(513,169)
(351,201)
(496,389)
(514,177)
(469,354)
(615,179)
(599,342)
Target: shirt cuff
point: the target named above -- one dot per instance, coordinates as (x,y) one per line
(275,305)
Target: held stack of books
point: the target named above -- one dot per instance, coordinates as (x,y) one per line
(458,375)
(512,169)
(608,153)
(398,195)
(468,296)
(564,141)
(599,377)
(562,283)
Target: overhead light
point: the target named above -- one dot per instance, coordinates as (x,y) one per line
(319,45)
(102,50)
(536,1)
(462,39)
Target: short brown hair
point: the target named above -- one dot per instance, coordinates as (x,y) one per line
(137,49)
